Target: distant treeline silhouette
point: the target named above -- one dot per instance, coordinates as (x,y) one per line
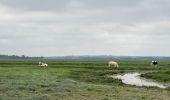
(110,57)
(18,57)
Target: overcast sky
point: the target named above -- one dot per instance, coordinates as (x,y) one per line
(85,27)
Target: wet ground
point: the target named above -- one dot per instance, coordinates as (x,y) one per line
(135,79)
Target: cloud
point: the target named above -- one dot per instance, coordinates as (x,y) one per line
(78,27)
(36,5)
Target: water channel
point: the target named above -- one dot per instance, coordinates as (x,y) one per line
(135,79)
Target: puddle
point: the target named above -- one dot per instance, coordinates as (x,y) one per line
(135,79)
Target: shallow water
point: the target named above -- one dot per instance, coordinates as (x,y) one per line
(135,79)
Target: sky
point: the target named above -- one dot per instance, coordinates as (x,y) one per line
(85,27)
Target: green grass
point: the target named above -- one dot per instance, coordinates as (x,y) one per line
(78,80)
(161,76)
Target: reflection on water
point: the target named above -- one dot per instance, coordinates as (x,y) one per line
(134,79)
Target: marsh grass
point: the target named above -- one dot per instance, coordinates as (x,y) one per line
(77,80)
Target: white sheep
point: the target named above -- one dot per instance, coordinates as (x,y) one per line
(42,64)
(113,63)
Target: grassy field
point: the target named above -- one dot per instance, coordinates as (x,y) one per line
(78,80)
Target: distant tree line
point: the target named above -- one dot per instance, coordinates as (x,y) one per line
(18,57)
(109,57)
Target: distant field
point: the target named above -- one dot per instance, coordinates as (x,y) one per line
(78,80)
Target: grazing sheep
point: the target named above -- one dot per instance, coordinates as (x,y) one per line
(42,64)
(154,63)
(113,63)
